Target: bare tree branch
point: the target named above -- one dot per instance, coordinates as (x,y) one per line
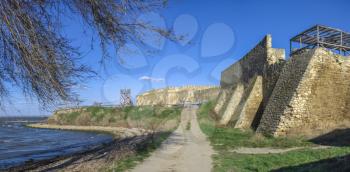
(35,57)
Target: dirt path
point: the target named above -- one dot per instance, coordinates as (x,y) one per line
(187,149)
(244,150)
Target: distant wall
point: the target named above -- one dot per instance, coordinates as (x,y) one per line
(311,97)
(178,95)
(238,80)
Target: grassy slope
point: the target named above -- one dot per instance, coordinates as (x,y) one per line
(149,115)
(225,139)
(146,117)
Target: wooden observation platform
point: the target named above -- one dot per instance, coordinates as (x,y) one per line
(125,97)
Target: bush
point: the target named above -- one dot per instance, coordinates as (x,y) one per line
(83,119)
(147,117)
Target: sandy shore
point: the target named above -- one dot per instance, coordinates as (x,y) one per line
(118,132)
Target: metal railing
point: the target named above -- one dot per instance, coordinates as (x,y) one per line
(321,36)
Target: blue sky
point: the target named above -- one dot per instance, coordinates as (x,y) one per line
(218,34)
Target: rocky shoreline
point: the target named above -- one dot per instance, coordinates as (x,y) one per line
(126,141)
(91,160)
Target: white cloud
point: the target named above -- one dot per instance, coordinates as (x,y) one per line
(148,78)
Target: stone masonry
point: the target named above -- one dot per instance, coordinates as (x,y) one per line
(311,96)
(178,95)
(307,95)
(247,84)
(249,108)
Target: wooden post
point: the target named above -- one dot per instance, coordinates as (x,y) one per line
(318,36)
(341,41)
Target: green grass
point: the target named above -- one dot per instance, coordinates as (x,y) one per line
(146,114)
(226,161)
(68,118)
(98,113)
(224,139)
(123,117)
(132,160)
(139,113)
(188,126)
(227,138)
(148,117)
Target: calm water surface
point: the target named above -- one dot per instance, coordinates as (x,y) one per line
(19,144)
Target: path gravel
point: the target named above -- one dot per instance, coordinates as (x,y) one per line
(186,150)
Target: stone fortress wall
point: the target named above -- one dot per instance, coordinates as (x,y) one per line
(309,94)
(247,84)
(312,96)
(178,95)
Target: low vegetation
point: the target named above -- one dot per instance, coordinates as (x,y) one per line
(132,160)
(188,126)
(226,139)
(147,117)
(161,120)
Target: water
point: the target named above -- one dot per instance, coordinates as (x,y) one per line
(19,144)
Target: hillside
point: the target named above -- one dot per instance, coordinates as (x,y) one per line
(146,117)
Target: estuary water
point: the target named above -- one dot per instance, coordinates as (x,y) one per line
(20,144)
